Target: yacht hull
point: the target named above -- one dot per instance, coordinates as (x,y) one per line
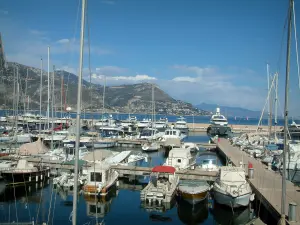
(22,177)
(104,144)
(192,198)
(232,201)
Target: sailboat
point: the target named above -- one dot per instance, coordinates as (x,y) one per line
(78,127)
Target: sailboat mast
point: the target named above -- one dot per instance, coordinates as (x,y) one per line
(286,97)
(41,92)
(276,104)
(61,97)
(75,195)
(26,97)
(103,97)
(52,108)
(48,102)
(270,103)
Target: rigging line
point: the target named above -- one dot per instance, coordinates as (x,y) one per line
(54,208)
(296,41)
(89,60)
(50,204)
(38,211)
(73,40)
(15,198)
(282,42)
(27,198)
(90,72)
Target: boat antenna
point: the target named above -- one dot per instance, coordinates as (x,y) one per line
(75,195)
(286,97)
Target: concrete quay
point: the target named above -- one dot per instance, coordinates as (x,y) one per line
(266,183)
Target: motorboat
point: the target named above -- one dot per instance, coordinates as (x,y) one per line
(100,180)
(162,123)
(151,146)
(218,118)
(231,187)
(144,123)
(181,124)
(173,133)
(193,191)
(25,172)
(192,147)
(180,158)
(161,187)
(208,161)
(150,133)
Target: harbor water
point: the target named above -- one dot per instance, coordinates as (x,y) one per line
(43,203)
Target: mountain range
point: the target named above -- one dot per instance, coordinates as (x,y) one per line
(134,98)
(229,111)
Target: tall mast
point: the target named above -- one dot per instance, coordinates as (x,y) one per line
(48,102)
(61,97)
(52,107)
(75,194)
(286,97)
(41,92)
(103,97)
(276,104)
(270,103)
(26,97)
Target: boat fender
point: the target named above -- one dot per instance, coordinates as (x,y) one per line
(252,197)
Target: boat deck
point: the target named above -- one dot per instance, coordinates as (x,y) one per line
(266,183)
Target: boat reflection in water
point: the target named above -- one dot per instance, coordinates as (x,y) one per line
(100,206)
(25,193)
(192,213)
(163,207)
(225,216)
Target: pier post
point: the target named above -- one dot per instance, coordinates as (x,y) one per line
(250,171)
(292,211)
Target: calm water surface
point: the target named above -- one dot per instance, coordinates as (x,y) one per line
(42,203)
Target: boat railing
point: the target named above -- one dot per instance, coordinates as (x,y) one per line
(234,188)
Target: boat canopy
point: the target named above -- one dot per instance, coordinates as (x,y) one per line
(164,169)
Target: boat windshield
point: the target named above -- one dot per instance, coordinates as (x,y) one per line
(147,132)
(171,132)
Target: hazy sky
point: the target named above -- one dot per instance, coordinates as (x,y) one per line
(211,51)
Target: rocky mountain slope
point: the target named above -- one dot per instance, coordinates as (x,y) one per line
(135,98)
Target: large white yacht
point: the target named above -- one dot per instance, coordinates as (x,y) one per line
(218,119)
(181,124)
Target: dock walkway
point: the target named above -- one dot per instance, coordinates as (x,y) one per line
(196,174)
(266,183)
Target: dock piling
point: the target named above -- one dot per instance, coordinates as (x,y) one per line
(292,211)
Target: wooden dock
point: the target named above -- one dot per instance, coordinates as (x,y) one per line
(196,174)
(139,143)
(267,184)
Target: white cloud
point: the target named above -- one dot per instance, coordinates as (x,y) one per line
(194,69)
(208,84)
(63,41)
(185,79)
(125,79)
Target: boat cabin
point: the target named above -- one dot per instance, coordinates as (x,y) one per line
(180,158)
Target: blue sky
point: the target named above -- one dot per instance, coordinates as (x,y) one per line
(210,51)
